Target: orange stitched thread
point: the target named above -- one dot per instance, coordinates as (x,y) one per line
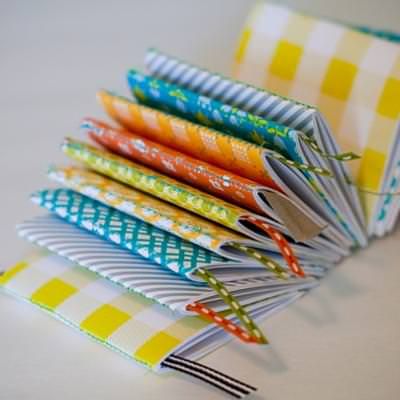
(223,322)
(282,243)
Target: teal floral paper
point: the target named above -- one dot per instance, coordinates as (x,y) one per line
(163,95)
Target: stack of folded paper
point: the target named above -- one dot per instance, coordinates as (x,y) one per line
(206,204)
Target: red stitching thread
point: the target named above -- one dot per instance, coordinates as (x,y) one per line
(284,247)
(222,322)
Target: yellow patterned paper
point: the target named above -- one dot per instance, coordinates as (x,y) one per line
(152,182)
(127,322)
(353,78)
(147,208)
(224,151)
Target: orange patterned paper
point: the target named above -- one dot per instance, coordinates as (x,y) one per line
(233,154)
(200,174)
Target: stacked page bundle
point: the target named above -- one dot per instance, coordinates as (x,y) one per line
(204,205)
(351,76)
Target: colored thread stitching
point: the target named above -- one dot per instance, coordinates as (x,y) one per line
(298,165)
(350,182)
(270,264)
(284,247)
(233,304)
(376,193)
(221,321)
(349,156)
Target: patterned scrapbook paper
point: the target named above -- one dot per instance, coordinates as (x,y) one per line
(207,111)
(352,77)
(137,236)
(144,207)
(233,154)
(199,174)
(129,323)
(263,229)
(133,272)
(120,236)
(243,96)
(235,93)
(204,176)
(156,184)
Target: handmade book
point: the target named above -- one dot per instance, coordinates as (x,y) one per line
(205,204)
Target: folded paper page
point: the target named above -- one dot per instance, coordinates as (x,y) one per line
(137,274)
(102,309)
(127,323)
(177,193)
(351,76)
(229,153)
(125,269)
(143,239)
(163,248)
(301,223)
(236,155)
(204,176)
(337,200)
(165,216)
(295,145)
(160,94)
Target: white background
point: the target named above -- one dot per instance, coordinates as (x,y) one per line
(340,342)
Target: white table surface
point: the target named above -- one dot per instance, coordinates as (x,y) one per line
(339,342)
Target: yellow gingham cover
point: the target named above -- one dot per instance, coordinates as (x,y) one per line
(353,78)
(127,322)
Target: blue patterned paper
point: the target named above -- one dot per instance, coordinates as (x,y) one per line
(141,238)
(206,111)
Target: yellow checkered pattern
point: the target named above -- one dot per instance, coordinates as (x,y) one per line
(139,328)
(353,78)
